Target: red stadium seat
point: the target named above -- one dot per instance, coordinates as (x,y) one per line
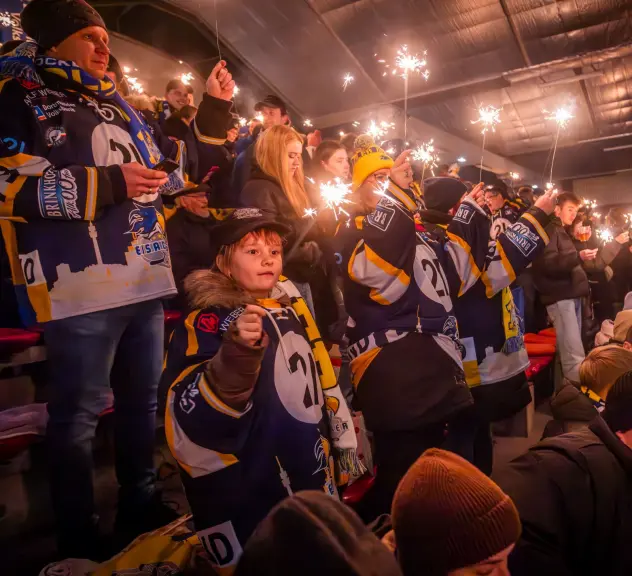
(537,364)
(14,340)
(354,493)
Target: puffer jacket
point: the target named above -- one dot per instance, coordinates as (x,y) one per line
(558,271)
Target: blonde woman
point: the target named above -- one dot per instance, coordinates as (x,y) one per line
(277,185)
(277,182)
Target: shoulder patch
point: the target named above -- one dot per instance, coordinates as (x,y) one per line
(465,213)
(382,217)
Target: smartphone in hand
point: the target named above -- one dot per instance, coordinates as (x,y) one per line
(167,166)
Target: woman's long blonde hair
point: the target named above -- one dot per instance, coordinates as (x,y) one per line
(271,154)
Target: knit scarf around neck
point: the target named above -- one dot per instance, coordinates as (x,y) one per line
(25,63)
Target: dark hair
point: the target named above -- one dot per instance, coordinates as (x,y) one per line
(616,217)
(9,46)
(173,84)
(187,112)
(326,149)
(565,197)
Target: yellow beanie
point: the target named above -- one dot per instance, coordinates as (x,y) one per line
(367,159)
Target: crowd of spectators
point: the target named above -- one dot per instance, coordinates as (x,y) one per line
(119,206)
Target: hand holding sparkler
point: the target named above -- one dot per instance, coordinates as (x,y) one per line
(220,83)
(623,238)
(477,194)
(547,201)
(402,172)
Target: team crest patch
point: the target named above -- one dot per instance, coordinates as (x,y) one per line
(147,228)
(55,136)
(208,322)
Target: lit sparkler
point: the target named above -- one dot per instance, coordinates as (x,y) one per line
(346,80)
(406,64)
(549,185)
(236,90)
(335,195)
(426,153)
(605,235)
(135,85)
(5,19)
(307,123)
(377,131)
(562,116)
(186,78)
(514,175)
(126,69)
(242,121)
(310,213)
(488,117)
(597,215)
(259,117)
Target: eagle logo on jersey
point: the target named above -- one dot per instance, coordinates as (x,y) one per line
(147,227)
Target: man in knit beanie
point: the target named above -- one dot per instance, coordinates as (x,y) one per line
(312,534)
(369,162)
(574,496)
(450,519)
(84,193)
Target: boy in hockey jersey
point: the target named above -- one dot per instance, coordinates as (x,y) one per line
(253,411)
(399,285)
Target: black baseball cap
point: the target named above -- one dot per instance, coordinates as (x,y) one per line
(243,221)
(271,101)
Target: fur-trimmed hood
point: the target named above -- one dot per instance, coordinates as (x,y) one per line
(206,288)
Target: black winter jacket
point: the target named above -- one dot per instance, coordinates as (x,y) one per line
(558,271)
(574,496)
(191,247)
(571,410)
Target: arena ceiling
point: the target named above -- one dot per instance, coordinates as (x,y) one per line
(525,56)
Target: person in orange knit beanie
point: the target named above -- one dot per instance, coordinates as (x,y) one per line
(449,519)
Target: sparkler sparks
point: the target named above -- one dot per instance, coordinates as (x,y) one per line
(488,117)
(377,131)
(307,123)
(562,116)
(259,117)
(310,213)
(334,195)
(135,85)
(514,175)
(346,80)
(605,235)
(408,63)
(186,78)
(5,19)
(426,153)
(589,203)
(549,185)
(236,90)
(242,121)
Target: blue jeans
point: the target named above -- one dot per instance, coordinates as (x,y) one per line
(567,320)
(121,348)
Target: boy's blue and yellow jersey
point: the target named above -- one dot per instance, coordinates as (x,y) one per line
(236,465)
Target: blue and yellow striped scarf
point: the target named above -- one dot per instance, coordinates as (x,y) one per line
(25,63)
